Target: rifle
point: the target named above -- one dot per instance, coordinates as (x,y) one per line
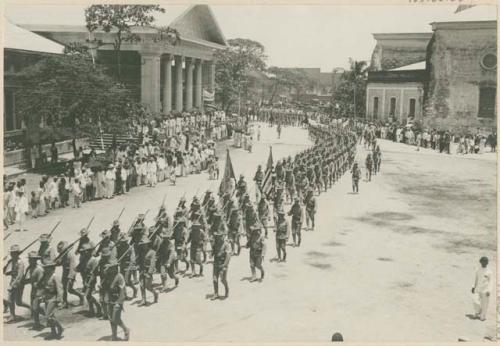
(8,235)
(135,221)
(73,243)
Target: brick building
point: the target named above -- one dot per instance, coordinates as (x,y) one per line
(453,87)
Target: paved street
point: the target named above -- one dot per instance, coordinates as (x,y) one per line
(394,263)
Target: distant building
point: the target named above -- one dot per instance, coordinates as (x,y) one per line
(319,88)
(451,85)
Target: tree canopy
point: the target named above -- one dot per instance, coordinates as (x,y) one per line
(286,79)
(352,86)
(68,94)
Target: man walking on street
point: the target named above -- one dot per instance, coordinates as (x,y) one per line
(483,286)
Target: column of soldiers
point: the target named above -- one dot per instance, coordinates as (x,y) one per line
(205,230)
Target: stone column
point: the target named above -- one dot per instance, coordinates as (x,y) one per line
(150,80)
(167,84)
(178,83)
(189,84)
(211,79)
(198,91)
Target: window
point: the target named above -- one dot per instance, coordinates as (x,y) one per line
(487,98)
(375,107)
(412,108)
(392,109)
(489,61)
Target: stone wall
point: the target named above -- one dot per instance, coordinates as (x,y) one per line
(397,50)
(456,75)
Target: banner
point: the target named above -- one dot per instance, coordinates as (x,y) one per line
(225,184)
(208,96)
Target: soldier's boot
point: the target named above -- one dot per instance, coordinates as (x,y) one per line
(294,239)
(187,265)
(226,289)
(299,239)
(163,284)
(156,295)
(216,290)
(193,271)
(238,246)
(262,273)
(143,297)
(126,332)
(284,255)
(252,268)
(278,250)
(114,332)
(134,295)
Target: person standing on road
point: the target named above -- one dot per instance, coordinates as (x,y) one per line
(257,252)
(68,264)
(116,296)
(369,167)
(282,230)
(296,213)
(147,263)
(356,174)
(310,209)
(15,289)
(34,275)
(87,266)
(483,286)
(197,240)
(52,288)
(222,255)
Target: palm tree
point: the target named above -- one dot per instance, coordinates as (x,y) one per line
(357,73)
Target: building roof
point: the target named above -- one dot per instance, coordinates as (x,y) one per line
(19,38)
(416,66)
(401,76)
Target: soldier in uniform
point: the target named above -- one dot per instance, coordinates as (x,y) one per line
(180,238)
(234,225)
(16,285)
(310,209)
(68,262)
(126,255)
(106,243)
(369,167)
(45,251)
(282,230)
(258,178)
(290,183)
(296,213)
(84,238)
(197,240)
(147,263)
(356,174)
(34,275)
(52,296)
(257,252)
(263,210)
(115,231)
(222,255)
(167,257)
(87,266)
(116,294)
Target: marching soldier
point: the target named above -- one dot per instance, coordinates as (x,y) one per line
(369,167)
(68,263)
(257,252)
(222,255)
(84,238)
(356,174)
(106,243)
(15,289)
(263,210)
(52,295)
(45,251)
(87,266)
(180,238)
(34,276)
(310,209)
(282,230)
(167,256)
(197,240)
(296,213)
(258,178)
(115,231)
(147,263)
(234,225)
(126,254)
(116,294)
(103,261)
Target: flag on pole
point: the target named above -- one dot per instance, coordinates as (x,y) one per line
(225,184)
(208,96)
(270,160)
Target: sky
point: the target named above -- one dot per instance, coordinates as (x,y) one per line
(324,36)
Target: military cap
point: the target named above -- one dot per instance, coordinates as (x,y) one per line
(15,248)
(44,237)
(83,232)
(116,223)
(105,233)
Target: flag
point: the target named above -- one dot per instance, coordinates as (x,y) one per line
(270,160)
(208,96)
(228,175)
(461,8)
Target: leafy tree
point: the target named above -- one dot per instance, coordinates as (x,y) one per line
(350,92)
(233,66)
(69,95)
(119,20)
(287,79)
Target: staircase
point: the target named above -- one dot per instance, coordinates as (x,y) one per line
(107,139)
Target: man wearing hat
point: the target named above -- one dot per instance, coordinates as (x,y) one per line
(222,255)
(34,274)
(16,285)
(106,243)
(282,230)
(483,288)
(167,257)
(258,178)
(116,293)
(45,251)
(68,262)
(257,251)
(180,234)
(147,264)
(106,258)
(310,203)
(115,231)
(126,254)
(84,238)
(52,295)
(263,211)
(296,213)
(197,239)
(88,266)
(234,226)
